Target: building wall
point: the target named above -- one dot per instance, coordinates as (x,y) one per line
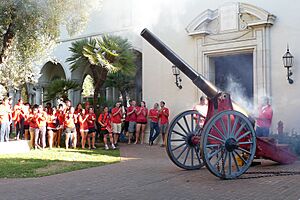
(168,19)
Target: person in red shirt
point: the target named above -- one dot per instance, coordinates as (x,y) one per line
(42,122)
(33,126)
(105,122)
(18,117)
(131,114)
(264,119)
(70,120)
(84,127)
(77,112)
(60,117)
(92,130)
(116,121)
(27,111)
(153,116)
(141,122)
(164,120)
(52,124)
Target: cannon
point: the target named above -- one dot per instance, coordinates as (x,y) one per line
(226,143)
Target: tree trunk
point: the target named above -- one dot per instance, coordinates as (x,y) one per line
(99,76)
(124,99)
(7,43)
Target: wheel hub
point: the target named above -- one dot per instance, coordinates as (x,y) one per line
(193,140)
(231,144)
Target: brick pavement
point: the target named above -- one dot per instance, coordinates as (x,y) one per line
(146,173)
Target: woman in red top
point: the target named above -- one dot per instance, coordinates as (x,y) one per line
(60,117)
(104,121)
(42,123)
(33,126)
(52,124)
(141,122)
(77,112)
(70,120)
(91,126)
(84,128)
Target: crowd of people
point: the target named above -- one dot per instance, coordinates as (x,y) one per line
(45,125)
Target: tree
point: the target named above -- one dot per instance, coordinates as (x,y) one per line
(29,31)
(59,88)
(124,82)
(104,55)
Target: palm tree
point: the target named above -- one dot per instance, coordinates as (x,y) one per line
(59,88)
(108,54)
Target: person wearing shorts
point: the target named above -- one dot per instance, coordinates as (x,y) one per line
(131,113)
(141,122)
(42,123)
(164,120)
(116,121)
(52,123)
(83,126)
(70,131)
(26,122)
(91,126)
(105,122)
(33,126)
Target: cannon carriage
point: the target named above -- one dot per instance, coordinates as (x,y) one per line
(226,143)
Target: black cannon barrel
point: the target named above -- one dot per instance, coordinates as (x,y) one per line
(204,85)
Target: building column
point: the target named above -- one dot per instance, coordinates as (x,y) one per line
(38,95)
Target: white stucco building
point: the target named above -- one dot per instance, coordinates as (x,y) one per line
(242,40)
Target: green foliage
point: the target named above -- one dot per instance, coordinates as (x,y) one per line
(29,30)
(59,88)
(121,81)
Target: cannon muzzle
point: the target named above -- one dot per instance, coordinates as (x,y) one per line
(204,85)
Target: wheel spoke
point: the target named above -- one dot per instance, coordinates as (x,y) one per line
(176,132)
(224,163)
(228,125)
(240,156)
(182,128)
(229,163)
(236,163)
(239,130)
(186,124)
(236,120)
(197,155)
(218,130)
(214,153)
(244,135)
(192,156)
(182,152)
(223,126)
(218,160)
(186,156)
(244,150)
(177,140)
(241,143)
(216,138)
(212,145)
(178,147)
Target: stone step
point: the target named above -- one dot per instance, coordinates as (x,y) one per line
(11,147)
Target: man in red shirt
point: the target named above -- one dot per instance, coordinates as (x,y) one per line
(131,113)
(264,119)
(164,120)
(153,115)
(116,121)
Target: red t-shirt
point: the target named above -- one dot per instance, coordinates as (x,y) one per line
(164,116)
(69,120)
(105,120)
(33,121)
(91,120)
(153,115)
(132,116)
(83,123)
(142,116)
(117,118)
(51,121)
(265,116)
(42,119)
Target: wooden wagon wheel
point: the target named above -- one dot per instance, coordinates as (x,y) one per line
(183,140)
(228,144)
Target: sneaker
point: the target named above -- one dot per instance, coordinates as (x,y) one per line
(106,147)
(113,146)
(94,147)
(162,145)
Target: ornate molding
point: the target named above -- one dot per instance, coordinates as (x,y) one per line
(212,22)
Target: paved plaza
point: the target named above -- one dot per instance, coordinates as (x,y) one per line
(146,173)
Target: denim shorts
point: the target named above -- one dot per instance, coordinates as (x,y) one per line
(131,127)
